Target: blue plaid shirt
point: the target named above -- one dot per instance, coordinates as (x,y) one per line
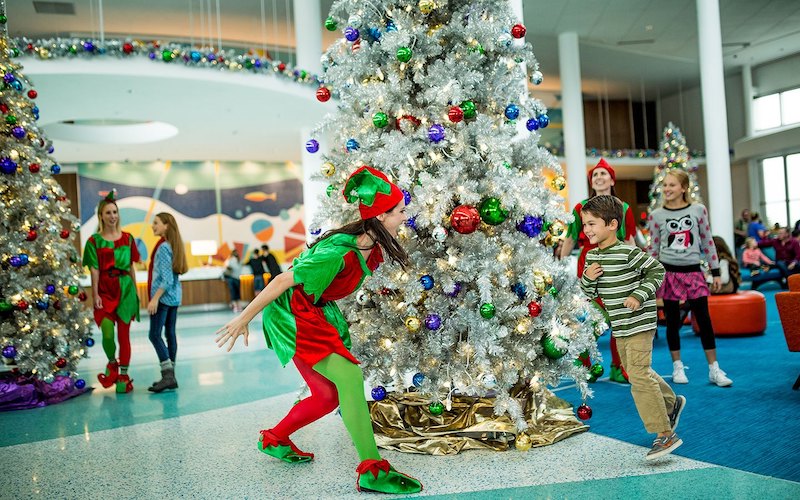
(164,277)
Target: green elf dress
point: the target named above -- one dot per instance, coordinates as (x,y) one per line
(116,288)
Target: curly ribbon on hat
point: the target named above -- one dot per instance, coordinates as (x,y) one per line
(365,186)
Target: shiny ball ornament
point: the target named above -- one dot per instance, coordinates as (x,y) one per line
(18,132)
(468,107)
(356,46)
(42,305)
(550,350)
(55,169)
(378,393)
(89,342)
(362,297)
(61,363)
(9,352)
(352,145)
(31,236)
(11,120)
(24,259)
(436,133)
(523,442)
(355,20)
(557,229)
(504,40)
(512,112)
(22,305)
(427,281)
(330,190)
(520,290)
(559,183)
(331,24)
(64,234)
(418,379)
(406,196)
(380,119)
(456,289)
(413,324)
(537,77)
(534,309)
(476,47)
(553,291)
(584,412)
(597,370)
(433,322)
(351,34)
(80,383)
(426,6)
(312,146)
(455,114)
(439,234)
(5,307)
(15,261)
(127,48)
(412,222)
(57,305)
(34,168)
(316,231)
(323,94)
(82,296)
(7,166)
(50,289)
(518,31)
(436,408)
(327,169)
(492,212)
(404,54)
(465,219)
(488,311)
(73,290)
(544,121)
(532,124)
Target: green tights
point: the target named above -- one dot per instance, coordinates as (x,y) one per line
(109,346)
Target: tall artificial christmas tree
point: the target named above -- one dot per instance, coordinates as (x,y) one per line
(674,155)
(434,94)
(44,326)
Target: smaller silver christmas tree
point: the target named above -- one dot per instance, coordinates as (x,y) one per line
(674,155)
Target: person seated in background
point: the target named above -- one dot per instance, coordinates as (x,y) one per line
(728,269)
(787,251)
(740,229)
(754,259)
(756,229)
(271,262)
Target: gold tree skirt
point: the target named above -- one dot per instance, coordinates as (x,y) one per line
(404,423)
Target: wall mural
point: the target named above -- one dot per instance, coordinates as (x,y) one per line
(240,205)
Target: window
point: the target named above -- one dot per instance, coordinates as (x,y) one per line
(793,187)
(790,107)
(775,110)
(781,177)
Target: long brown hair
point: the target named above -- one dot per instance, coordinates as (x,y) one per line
(102,205)
(173,237)
(375,228)
(723,252)
(683,179)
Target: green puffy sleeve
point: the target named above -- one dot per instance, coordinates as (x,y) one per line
(90,254)
(316,268)
(574,228)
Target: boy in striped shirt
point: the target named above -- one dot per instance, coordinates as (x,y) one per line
(626,279)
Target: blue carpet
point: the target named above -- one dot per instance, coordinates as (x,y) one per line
(752,425)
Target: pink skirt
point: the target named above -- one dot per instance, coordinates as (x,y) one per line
(683,286)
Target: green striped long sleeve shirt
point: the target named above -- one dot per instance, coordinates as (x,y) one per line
(627,272)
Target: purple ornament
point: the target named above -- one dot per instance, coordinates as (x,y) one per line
(406,196)
(7,166)
(378,393)
(151,55)
(18,132)
(211,56)
(436,133)
(351,34)
(9,352)
(532,124)
(456,289)
(312,146)
(433,322)
(15,261)
(80,383)
(8,77)
(50,151)
(88,46)
(50,289)
(412,223)
(530,225)
(316,231)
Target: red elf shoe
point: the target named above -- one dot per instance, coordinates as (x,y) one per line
(108,378)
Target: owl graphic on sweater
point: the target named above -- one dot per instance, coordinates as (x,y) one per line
(680,233)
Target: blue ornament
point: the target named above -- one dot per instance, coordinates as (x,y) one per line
(257,63)
(390,26)
(9,352)
(18,132)
(520,290)
(196,56)
(530,225)
(50,289)
(56,168)
(89,342)
(544,121)
(316,231)
(211,56)
(418,378)
(35,109)
(412,223)
(406,196)
(436,133)
(351,34)
(80,383)
(581,316)
(379,393)
(8,166)
(375,33)
(14,261)
(9,77)
(50,151)
(151,55)
(43,197)
(456,289)
(352,145)
(312,146)
(88,46)
(512,111)
(433,322)
(17,85)
(532,124)
(41,305)
(427,281)
(23,258)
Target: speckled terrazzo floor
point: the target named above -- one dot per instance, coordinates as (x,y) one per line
(200,442)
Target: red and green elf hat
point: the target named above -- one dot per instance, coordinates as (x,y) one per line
(375,193)
(602,164)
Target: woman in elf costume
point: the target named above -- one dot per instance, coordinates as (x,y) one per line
(602,179)
(303,324)
(109,254)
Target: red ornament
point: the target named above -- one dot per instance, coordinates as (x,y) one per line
(323,94)
(406,119)
(281,67)
(57,305)
(61,363)
(29,47)
(518,31)
(64,234)
(34,167)
(32,235)
(127,47)
(22,305)
(534,309)
(356,46)
(584,412)
(465,219)
(61,198)
(456,114)
(33,94)
(385,291)
(82,296)
(4,108)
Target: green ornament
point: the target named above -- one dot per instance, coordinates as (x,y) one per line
(73,290)
(15,52)
(436,408)
(330,190)
(3,19)
(550,349)
(11,119)
(248,64)
(73,49)
(303,74)
(404,54)
(468,107)
(476,47)
(552,291)
(330,24)
(380,119)
(492,212)
(518,60)
(5,307)
(507,165)
(596,370)
(487,310)
(166,55)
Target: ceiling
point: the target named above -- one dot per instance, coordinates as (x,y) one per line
(629,48)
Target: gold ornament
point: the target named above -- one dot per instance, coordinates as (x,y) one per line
(559,183)
(328,169)
(44,53)
(523,326)
(523,442)
(14,155)
(412,323)
(557,229)
(426,6)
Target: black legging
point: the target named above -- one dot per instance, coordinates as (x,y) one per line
(699,308)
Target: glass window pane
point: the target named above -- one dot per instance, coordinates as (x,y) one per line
(794,213)
(790,106)
(775,212)
(793,183)
(774,182)
(767,112)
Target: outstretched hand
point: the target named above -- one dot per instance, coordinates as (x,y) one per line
(231,332)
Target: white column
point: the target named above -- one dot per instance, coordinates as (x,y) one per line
(312,189)
(308,35)
(753,172)
(715,119)
(572,112)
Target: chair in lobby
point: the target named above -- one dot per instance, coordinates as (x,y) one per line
(789,310)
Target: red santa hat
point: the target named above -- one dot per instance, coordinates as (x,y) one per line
(375,193)
(603,164)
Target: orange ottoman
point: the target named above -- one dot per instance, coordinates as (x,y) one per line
(739,313)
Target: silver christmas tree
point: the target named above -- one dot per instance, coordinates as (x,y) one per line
(434,94)
(44,326)
(674,155)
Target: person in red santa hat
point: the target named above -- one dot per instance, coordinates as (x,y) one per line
(303,324)
(602,178)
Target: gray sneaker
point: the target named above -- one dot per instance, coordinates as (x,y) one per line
(675,416)
(664,446)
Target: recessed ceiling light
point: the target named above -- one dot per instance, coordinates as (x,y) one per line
(111,131)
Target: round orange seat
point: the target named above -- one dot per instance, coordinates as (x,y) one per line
(739,313)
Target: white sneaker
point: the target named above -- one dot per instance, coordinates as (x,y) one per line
(717,376)
(679,373)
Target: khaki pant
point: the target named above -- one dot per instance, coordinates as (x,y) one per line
(654,399)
